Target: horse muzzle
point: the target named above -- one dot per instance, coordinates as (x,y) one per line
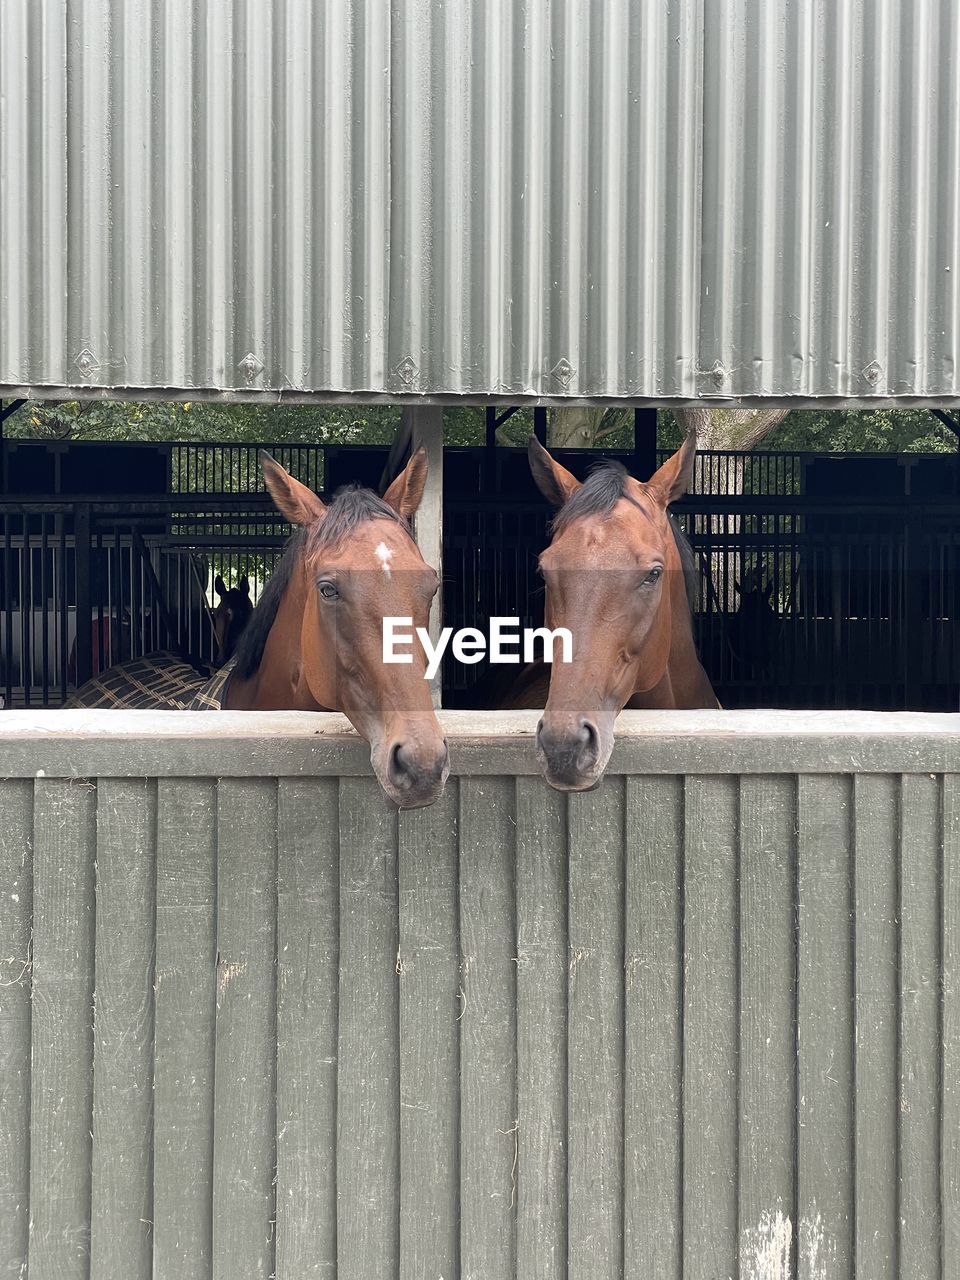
(412,773)
(573,752)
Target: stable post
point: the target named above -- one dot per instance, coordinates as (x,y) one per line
(425,427)
(644,443)
(82,535)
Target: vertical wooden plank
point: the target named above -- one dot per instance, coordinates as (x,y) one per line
(16,918)
(185,1014)
(825,1028)
(710,1144)
(245,1109)
(876,841)
(768,1049)
(488,1103)
(950,1041)
(368,1084)
(920,854)
(429,969)
(121,1217)
(653,1131)
(308,972)
(542,963)
(61,1100)
(595,830)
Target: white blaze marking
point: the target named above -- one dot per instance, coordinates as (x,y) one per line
(384,555)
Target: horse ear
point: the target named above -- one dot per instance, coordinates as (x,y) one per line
(555,482)
(243,586)
(294,500)
(406,492)
(219,586)
(673,479)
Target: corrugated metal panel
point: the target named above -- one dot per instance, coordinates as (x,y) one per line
(549,198)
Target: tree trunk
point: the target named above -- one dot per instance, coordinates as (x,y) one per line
(736,429)
(575,427)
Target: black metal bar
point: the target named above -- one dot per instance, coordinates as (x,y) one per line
(5,412)
(205,603)
(61,592)
(104,564)
(540,424)
(26,615)
(7,409)
(490,450)
(172,637)
(7,610)
(500,418)
(948,422)
(83,553)
(644,443)
(137,645)
(45,603)
(490,419)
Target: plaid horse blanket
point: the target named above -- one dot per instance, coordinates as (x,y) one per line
(155,682)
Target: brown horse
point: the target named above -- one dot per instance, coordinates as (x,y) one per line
(616,578)
(315,642)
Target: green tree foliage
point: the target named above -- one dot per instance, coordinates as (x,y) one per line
(234,423)
(880,430)
(237,423)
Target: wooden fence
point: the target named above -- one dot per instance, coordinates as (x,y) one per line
(703,1022)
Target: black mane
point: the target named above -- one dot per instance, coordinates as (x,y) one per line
(688,559)
(599,494)
(349,508)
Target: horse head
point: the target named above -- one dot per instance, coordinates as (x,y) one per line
(318,643)
(614,578)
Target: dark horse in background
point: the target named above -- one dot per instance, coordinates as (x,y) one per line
(230,617)
(616,573)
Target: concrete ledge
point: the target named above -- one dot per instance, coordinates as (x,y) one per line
(86,743)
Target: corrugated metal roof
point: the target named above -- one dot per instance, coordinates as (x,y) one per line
(544,198)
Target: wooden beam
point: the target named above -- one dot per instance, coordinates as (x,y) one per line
(426,427)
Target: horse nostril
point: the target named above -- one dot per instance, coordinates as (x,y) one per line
(409,765)
(397,765)
(590,737)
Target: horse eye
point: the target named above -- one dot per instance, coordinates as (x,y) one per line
(327,589)
(652,578)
